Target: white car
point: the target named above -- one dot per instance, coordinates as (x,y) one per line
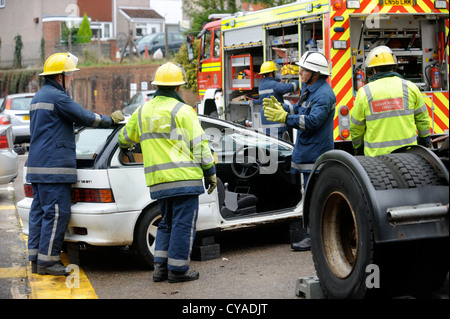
(138,99)
(9,160)
(113,205)
(17,106)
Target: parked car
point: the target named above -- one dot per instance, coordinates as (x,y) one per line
(139,98)
(155,41)
(112,204)
(17,106)
(9,160)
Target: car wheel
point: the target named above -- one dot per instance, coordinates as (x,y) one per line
(145,234)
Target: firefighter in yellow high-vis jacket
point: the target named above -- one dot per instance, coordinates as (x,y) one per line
(389,112)
(176,159)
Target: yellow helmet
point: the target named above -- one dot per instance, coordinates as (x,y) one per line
(267,67)
(60,63)
(379,56)
(169,74)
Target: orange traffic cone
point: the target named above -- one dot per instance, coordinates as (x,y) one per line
(117,55)
(146,53)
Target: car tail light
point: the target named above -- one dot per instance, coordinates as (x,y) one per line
(92,195)
(28,190)
(5,120)
(4,141)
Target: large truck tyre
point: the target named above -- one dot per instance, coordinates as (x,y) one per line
(348,261)
(341,233)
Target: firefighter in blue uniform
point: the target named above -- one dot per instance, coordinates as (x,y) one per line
(313,118)
(271,86)
(51,166)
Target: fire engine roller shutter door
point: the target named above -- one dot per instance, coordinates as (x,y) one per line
(243,36)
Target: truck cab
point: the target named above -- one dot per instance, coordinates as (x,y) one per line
(209,73)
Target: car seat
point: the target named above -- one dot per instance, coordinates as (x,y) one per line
(233,204)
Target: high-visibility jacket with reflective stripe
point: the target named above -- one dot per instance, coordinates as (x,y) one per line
(175,149)
(388,114)
(52,157)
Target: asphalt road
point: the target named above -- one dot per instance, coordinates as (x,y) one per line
(256,265)
(253,264)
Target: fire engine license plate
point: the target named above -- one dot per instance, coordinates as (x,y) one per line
(398,2)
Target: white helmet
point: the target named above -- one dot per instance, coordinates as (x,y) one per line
(315,62)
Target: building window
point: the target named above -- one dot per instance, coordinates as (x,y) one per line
(144,28)
(141,29)
(102,30)
(2,3)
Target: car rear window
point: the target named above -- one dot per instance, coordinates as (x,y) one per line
(21,103)
(90,141)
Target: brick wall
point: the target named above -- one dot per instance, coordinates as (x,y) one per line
(104,89)
(100,10)
(51,30)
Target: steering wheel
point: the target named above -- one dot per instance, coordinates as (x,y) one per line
(245,165)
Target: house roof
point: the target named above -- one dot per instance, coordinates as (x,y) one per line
(141,13)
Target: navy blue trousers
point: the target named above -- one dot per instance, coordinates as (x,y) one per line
(176,231)
(48,220)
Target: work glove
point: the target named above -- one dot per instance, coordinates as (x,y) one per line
(424,141)
(273,110)
(211,183)
(117,116)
